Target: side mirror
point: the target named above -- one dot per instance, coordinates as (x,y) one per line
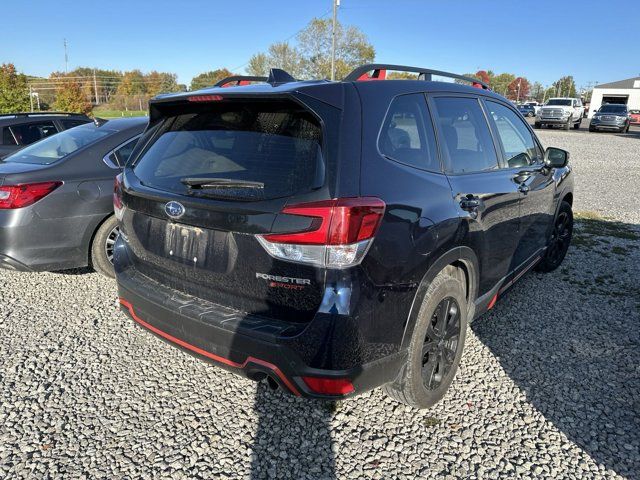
(556,157)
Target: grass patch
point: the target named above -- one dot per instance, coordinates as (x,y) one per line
(592,223)
(118,113)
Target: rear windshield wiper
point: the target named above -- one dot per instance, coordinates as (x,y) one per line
(202,182)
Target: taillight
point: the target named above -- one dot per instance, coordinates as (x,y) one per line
(25,194)
(205,98)
(118,206)
(340,235)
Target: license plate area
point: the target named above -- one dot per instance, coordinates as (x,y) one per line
(186,244)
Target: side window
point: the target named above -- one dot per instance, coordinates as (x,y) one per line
(466,140)
(32,132)
(71,123)
(518,145)
(7,137)
(407,133)
(124,152)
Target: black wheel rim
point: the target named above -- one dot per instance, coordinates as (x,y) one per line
(110,243)
(560,238)
(441,343)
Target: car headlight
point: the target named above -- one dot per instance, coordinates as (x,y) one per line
(596,117)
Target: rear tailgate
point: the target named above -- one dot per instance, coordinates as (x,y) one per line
(200,240)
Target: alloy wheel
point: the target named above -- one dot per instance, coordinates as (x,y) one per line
(441,343)
(560,238)
(110,243)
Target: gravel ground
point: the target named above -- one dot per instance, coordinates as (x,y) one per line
(549,385)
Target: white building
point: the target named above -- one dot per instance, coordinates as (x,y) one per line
(625,91)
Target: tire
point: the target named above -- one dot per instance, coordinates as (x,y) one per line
(626,130)
(576,125)
(537,125)
(428,344)
(559,241)
(591,129)
(102,247)
(567,125)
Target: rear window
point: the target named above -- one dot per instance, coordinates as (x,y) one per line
(55,147)
(273,143)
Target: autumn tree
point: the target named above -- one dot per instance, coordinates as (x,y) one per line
(14,91)
(71,98)
(160,82)
(518,89)
(208,79)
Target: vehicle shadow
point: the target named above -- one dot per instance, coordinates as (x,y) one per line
(570,340)
(74,271)
(293,437)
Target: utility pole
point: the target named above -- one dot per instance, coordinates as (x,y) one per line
(66,57)
(31,96)
(336,4)
(95,86)
(518,97)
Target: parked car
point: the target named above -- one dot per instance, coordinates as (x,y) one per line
(610,117)
(333,237)
(20,129)
(536,106)
(527,110)
(56,197)
(561,111)
(634,117)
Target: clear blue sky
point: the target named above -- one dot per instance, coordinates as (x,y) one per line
(542,40)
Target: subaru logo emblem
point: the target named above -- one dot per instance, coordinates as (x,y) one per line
(174,209)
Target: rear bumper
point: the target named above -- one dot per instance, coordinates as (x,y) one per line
(246,347)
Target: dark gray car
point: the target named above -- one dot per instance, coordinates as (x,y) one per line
(56,209)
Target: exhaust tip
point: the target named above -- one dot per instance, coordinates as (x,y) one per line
(273,385)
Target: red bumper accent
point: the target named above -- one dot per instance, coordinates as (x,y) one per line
(210,355)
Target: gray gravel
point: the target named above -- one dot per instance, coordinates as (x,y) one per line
(549,385)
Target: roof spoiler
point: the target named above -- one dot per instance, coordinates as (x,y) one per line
(379,71)
(237,80)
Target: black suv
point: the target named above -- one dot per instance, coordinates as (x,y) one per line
(333,237)
(20,129)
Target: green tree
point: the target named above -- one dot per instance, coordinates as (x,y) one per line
(500,83)
(314,44)
(565,87)
(537,92)
(71,98)
(132,84)
(259,65)
(208,79)
(160,82)
(310,55)
(14,91)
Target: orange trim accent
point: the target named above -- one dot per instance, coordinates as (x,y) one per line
(210,355)
(492,302)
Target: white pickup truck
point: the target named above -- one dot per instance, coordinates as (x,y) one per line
(560,111)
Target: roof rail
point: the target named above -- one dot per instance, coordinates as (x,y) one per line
(30,114)
(236,80)
(379,73)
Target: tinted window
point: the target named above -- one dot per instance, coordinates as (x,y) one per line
(58,146)
(277,143)
(124,152)
(517,143)
(72,123)
(7,137)
(32,132)
(466,140)
(407,133)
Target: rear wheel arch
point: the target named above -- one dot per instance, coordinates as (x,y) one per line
(568,198)
(460,263)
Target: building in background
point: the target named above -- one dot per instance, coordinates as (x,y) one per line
(624,91)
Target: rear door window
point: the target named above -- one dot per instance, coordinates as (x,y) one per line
(517,143)
(407,133)
(466,141)
(276,144)
(32,132)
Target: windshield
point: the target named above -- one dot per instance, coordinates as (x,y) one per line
(613,109)
(276,144)
(55,147)
(560,101)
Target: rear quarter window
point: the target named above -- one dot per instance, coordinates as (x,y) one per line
(276,143)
